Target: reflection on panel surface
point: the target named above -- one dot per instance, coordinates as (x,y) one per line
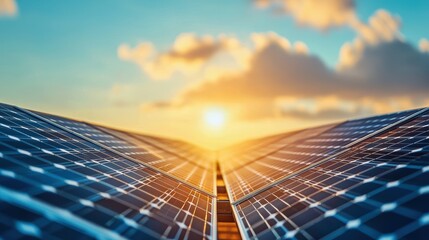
(378,189)
(243,154)
(360,179)
(185,150)
(178,166)
(303,153)
(58,184)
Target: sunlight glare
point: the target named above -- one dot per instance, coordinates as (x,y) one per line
(215,117)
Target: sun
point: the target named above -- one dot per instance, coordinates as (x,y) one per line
(215,117)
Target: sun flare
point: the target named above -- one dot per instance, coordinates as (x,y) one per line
(215,117)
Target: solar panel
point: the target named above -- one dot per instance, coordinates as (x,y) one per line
(377,189)
(304,153)
(180,167)
(55,183)
(360,179)
(259,148)
(162,152)
(191,152)
(240,154)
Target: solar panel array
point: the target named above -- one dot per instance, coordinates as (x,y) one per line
(360,179)
(56,184)
(181,167)
(303,153)
(372,184)
(242,154)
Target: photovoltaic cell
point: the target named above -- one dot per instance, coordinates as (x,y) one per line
(378,189)
(54,183)
(339,181)
(259,148)
(180,167)
(304,153)
(188,151)
(165,152)
(240,154)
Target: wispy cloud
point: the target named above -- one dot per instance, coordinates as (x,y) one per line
(382,27)
(187,55)
(424,45)
(315,13)
(8,8)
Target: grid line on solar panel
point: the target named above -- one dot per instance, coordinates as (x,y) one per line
(377,189)
(33,218)
(174,171)
(274,147)
(203,175)
(159,150)
(266,172)
(193,174)
(53,166)
(240,154)
(184,150)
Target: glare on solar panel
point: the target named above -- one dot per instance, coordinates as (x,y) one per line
(376,189)
(302,154)
(361,179)
(179,167)
(44,166)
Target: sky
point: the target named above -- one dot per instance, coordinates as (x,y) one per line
(259,67)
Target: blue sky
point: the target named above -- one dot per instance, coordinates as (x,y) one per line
(61,56)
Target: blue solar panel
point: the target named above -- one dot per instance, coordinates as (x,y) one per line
(303,153)
(185,150)
(378,189)
(243,154)
(61,183)
(360,179)
(180,167)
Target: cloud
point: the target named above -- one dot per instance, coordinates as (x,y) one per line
(378,71)
(394,68)
(387,73)
(381,27)
(8,8)
(187,56)
(315,13)
(424,45)
(275,68)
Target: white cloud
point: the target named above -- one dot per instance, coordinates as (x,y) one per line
(188,54)
(391,73)
(424,45)
(8,8)
(382,27)
(321,14)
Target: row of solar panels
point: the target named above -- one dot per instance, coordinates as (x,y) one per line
(64,179)
(361,179)
(366,178)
